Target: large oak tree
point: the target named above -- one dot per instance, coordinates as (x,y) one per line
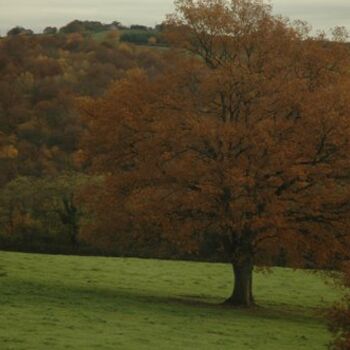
(244,135)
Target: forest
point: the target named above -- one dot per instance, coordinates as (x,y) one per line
(220,135)
(42,79)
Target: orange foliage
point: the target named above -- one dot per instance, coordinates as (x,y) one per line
(41,76)
(246,138)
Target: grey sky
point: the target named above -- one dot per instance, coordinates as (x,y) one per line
(321,14)
(37,14)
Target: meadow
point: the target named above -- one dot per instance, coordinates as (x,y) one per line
(68,302)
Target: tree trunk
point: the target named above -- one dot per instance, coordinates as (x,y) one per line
(242,294)
(74,231)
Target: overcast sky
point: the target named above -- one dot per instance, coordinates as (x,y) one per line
(37,14)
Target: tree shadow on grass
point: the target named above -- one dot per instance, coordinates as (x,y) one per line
(126,300)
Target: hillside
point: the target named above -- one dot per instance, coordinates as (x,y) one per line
(107,303)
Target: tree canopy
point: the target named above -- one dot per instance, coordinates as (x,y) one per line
(244,136)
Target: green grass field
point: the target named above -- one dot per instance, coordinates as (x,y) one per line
(56,302)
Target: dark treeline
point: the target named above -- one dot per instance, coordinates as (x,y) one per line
(135,33)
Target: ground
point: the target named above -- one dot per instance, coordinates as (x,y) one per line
(82,303)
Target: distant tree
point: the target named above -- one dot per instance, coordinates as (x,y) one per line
(340,34)
(159,27)
(78,26)
(35,211)
(75,41)
(46,67)
(152,40)
(136,36)
(7,148)
(15,31)
(139,27)
(246,139)
(75,26)
(19,31)
(115,25)
(50,30)
(112,37)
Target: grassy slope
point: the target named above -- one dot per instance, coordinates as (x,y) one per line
(83,303)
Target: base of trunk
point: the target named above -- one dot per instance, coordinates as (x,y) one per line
(242,295)
(231,302)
